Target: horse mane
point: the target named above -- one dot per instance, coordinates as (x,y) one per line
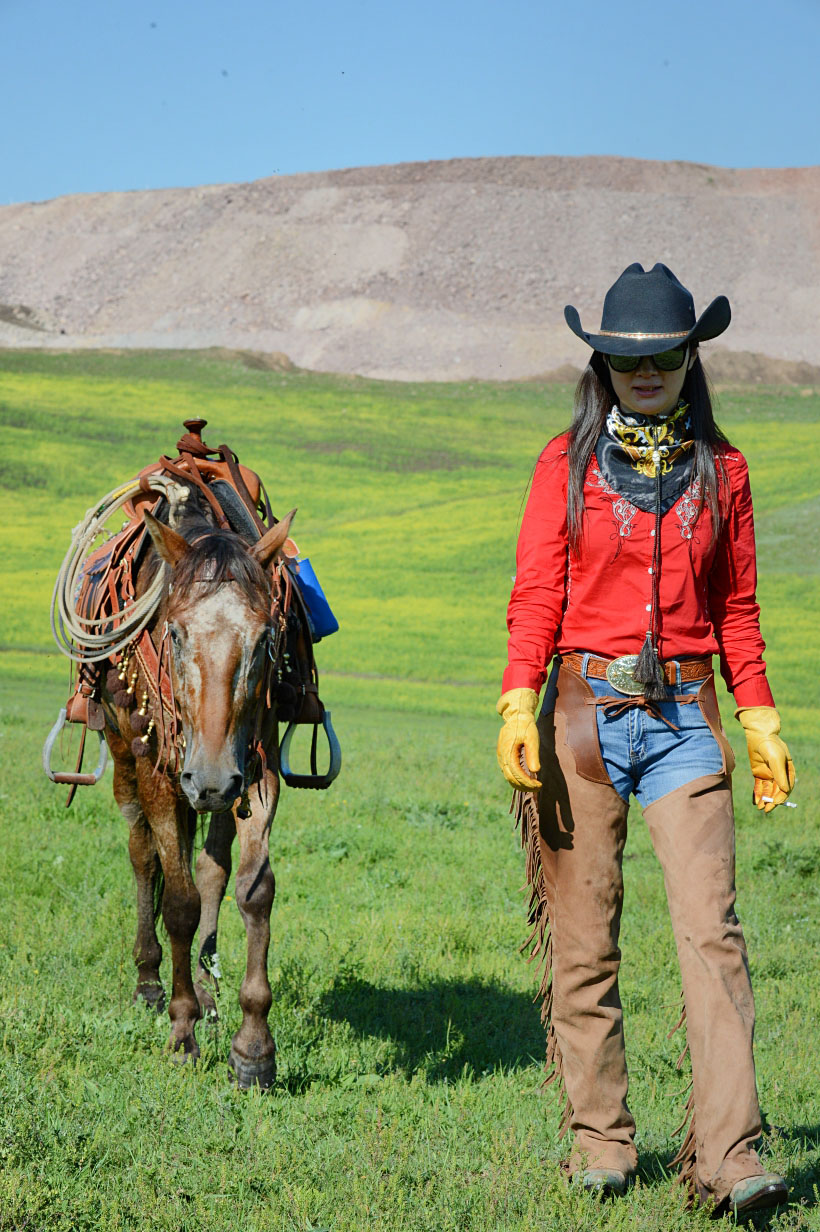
(221,556)
(216,557)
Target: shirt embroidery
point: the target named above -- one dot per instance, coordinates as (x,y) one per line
(687,509)
(624,511)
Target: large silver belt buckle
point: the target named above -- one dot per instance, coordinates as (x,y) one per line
(619,673)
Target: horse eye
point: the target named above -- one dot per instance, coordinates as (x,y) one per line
(175,636)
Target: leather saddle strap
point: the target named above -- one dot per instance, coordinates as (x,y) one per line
(271,520)
(101,587)
(148,660)
(229,458)
(190,473)
(206,491)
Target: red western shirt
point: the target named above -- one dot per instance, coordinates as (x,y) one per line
(600,599)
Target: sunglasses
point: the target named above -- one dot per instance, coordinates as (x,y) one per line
(665,361)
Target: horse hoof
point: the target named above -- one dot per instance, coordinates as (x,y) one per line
(153,996)
(247,1074)
(183,1052)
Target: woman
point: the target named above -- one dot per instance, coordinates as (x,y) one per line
(636,564)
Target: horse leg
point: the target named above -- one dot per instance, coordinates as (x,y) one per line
(213,868)
(145,863)
(147,949)
(253,1052)
(180,905)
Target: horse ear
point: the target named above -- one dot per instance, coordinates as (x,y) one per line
(170,546)
(265,550)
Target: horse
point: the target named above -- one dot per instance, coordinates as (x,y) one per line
(209,747)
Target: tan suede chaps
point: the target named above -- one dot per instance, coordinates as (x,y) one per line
(575,832)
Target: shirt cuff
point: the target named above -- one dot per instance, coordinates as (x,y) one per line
(753,692)
(518,676)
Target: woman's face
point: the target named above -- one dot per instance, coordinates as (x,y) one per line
(648,390)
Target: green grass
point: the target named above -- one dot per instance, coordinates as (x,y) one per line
(410,1051)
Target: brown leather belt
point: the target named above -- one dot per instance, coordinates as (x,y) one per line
(690,669)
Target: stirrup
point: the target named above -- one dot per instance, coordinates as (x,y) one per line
(317,781)
(76,777)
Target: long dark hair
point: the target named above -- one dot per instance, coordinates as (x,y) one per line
(594,399)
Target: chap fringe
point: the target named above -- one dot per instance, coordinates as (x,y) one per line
(538,945)
(686,1158)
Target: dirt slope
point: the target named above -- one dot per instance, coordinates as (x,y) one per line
(421,270)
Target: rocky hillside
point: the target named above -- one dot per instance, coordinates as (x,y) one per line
(422,270)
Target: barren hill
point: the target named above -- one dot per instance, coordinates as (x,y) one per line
(422,270)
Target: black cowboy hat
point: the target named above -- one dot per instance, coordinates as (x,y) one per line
(645,313)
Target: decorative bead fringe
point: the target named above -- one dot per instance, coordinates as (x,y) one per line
(538,944)
(648,672)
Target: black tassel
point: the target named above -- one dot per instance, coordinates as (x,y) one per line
(112,680)
(648,672)
(139,722)
(123,698)
(139,749)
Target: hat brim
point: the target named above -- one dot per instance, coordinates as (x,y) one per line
(711,322)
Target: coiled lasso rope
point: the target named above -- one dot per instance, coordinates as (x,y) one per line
(67,625)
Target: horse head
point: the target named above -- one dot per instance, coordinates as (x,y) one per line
(218,613)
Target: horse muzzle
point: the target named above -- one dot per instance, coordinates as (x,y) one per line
(211,789)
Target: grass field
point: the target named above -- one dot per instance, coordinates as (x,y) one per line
(410,1051)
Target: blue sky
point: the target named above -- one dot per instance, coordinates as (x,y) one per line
(129,94)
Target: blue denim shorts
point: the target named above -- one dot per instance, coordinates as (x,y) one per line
(643,756)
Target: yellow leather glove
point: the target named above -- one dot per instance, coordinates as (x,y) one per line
(517,709)
(772,766)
